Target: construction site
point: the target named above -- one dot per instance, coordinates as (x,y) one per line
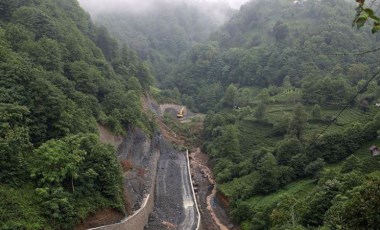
(167,181)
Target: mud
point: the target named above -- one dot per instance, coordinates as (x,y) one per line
(214,215)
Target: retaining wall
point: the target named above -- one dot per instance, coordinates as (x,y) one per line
(140,218)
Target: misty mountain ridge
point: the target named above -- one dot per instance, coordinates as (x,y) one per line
(131,6)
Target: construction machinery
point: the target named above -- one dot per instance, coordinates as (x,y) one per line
(181,113)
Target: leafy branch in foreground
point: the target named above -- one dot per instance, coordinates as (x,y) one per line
(364,14)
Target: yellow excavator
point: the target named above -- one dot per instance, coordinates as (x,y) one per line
(181,113)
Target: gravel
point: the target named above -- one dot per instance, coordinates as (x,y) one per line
(172,191)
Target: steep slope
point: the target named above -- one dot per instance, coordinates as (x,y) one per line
(275,43)
(60,75)
(160,31)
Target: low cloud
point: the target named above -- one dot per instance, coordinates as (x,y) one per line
(106,6)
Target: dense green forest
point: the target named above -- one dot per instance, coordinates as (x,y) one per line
(276,44)
(289,88)
(60,76)
(164,30)
(273,80)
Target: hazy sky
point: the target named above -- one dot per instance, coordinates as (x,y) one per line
(98,6)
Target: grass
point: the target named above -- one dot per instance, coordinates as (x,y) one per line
(254,135)
(299,189)
(238,184)
(302,188)
(370,163)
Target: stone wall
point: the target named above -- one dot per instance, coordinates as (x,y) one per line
(139,219)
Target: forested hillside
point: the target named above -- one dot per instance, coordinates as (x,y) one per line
(275,43)
(290,93)
(161,31)
(59,76)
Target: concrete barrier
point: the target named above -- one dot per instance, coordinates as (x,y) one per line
(139,219)
(192,189)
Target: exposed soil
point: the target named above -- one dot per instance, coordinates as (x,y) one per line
(213,214)
(100,218)
(106,136)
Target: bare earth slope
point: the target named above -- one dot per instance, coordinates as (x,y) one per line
(174,207)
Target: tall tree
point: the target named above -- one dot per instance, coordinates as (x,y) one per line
(298,122)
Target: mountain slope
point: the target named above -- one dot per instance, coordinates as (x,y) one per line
(60,75)
(162,30)
(268,42)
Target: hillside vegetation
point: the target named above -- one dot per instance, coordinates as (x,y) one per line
(161,31)
(273,79)
(60,75)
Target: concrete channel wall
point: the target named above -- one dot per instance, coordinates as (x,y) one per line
(140,218)
(193,191)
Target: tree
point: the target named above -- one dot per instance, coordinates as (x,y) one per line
(350,164)
(260,111)
(288,148)
(64,156)
(360,209)
(316,112)
(264,96)
(268,179)
(75,168)
(287,213)
(280,30)
(298,122)
(134,84)
(14,142)
(314,167)
(230,95)
(319,202)
(228,143)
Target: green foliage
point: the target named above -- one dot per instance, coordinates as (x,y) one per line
(14,142)
(268,181)
(166,30)
(280,30)
(288,148)
(69,169)
(352,163)
(359,209)
(286,214)
(260,111)
(364,14)
(314,167)
(229,98)
(227,144)
(56,83)
(298,122)
(316,112)
(19,209)
(250,51)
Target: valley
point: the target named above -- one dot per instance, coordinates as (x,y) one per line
(189,115)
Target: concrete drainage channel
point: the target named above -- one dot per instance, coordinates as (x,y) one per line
(175,203)
(171,203)
(193,191)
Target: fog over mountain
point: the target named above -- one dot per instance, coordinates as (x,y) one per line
(101,6)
